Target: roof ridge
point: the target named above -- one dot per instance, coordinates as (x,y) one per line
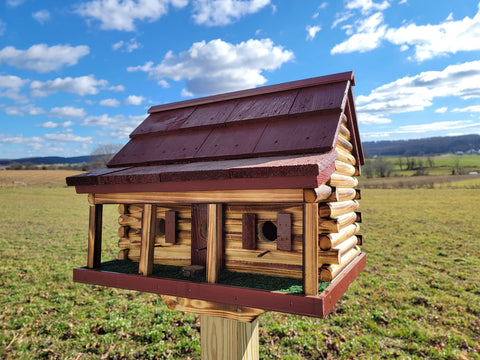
(326,79)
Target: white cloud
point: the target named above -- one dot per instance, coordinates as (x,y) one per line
(110,102)
(366,6)
(134,100)
(369,35)
(66,136)
(42,58)
(42,16)
(125,126)
(372,119)
(427,41)
(14,3)
(12,81)
(83,85)
(24,110)
(122,14)
(3,27)
(312,31)
(430,41)
(117,88)
(219,66)
(54,125)
(127,46)
(101,120)
(223,12)
(437,126)
(473,108)
(119,126)
(10,87)
(67,112)
(441,110)
(414,93)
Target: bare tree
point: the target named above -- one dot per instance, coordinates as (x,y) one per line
(102,154)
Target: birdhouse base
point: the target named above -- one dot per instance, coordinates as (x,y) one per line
(121,274)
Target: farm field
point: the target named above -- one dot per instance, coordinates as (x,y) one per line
(419,296)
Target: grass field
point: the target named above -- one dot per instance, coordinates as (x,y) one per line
(418,298)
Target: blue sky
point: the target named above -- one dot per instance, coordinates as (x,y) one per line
(76,74)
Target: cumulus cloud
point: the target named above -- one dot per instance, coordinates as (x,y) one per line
(312,31)
(127,46)
(372,119)
(366,6)
(473,108)
(122,14)
(54,125)
(43,58)
(42,16)
(110,102)
(441,110)
(83,85)
(24,110)
(119,126)
(368,36)
(223,12)
(219,66)
(66,136)
(430,41)
(10,87)
(427,41)
(134,100)
(67,112)
(414,93)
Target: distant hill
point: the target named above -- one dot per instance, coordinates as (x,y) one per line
(420,147)
(47,160)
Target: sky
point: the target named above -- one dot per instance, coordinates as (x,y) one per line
(81,73)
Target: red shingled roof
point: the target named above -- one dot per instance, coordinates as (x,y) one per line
(279,136)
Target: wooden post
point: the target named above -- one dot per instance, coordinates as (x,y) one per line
(310,249)
(214,241)
(145,266)
(228,339)
(94,234)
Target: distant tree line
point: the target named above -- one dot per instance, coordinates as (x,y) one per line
(423,147)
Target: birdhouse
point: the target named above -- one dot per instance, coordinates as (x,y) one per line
(247,200)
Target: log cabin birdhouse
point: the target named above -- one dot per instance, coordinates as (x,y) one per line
(246,199)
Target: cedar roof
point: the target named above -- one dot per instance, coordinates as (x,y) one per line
(279,136)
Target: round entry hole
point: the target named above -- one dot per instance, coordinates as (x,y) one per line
(267,231)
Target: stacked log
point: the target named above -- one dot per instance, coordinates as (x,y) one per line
(338,225)
(166,253)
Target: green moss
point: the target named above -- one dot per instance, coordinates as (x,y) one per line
(231,278)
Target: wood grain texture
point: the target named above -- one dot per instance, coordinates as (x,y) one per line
(321,193)
(327,241)
(310,249)
(145,265)
(284,232)
(199,234)
(188,197)
(226,311)
(330,272)
(214,242)
(223,339)
(94,258)
(170,227)
(335,209)
(249,237)
(342,181)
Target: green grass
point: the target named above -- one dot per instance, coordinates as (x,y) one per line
(418,298)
